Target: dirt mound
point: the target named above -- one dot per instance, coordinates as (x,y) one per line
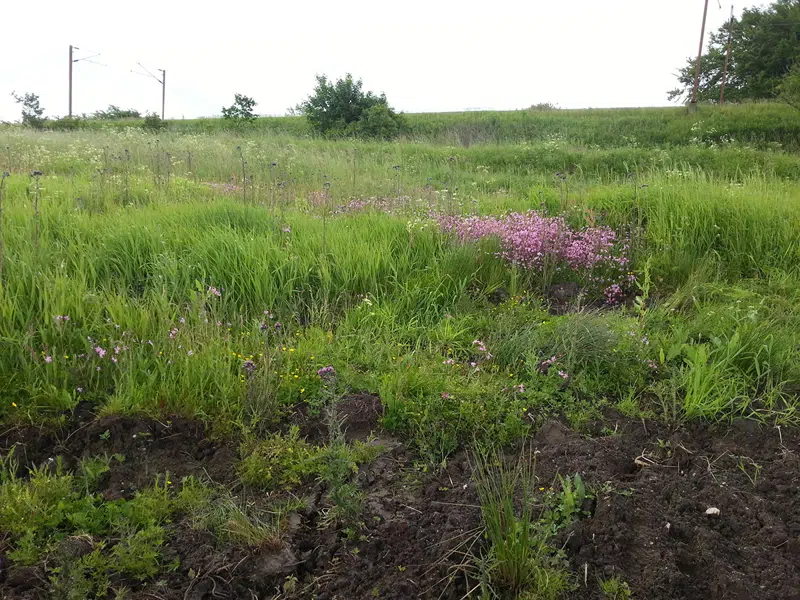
(358,416)
(179,446)
(652,525)
(649,524)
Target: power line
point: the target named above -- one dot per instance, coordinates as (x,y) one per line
(93,54)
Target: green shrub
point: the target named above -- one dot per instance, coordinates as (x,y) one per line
(342,108)
(153,122)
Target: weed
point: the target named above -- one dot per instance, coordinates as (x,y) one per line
(53,513)
(615,589)
(519,560)
(750,468)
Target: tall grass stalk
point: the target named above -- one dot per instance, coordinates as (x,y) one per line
(519,558)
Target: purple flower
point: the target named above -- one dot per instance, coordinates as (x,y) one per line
(481,346)
(613,294)
(538,242)
(100,351)
(249,367)
(327,372)
(48,359)
(173,332)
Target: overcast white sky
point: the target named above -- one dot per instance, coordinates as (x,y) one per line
(426,55)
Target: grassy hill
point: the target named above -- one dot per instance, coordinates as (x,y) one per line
(762,125)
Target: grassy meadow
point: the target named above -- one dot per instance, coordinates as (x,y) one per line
(231,277)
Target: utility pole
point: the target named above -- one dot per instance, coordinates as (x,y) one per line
(163,91)
(727,60)
(699,57)
(71,62)
(70,80)
(162,81)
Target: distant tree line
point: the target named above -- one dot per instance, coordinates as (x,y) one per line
(33,115)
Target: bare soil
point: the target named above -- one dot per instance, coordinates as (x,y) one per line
(648,523)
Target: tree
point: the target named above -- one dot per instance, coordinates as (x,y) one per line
(342,108)
(31,109)
(789,89)
(241,111)
(765,43)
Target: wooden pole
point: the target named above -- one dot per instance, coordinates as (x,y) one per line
(699,57)
(727,61)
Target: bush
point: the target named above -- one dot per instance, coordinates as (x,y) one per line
(342,108)
(66,124)
(381,122)
(115,113)
(153,122)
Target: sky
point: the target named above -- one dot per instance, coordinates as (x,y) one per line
(426,55)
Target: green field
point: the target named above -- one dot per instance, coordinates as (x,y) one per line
(209,274)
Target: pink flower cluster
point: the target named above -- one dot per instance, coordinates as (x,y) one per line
(537,242)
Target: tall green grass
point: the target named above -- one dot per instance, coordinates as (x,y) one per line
(136,228)
(760,124)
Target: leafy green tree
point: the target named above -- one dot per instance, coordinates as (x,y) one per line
(341,108)
(789,89)
(241,111)
(765,43)
(32,111)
